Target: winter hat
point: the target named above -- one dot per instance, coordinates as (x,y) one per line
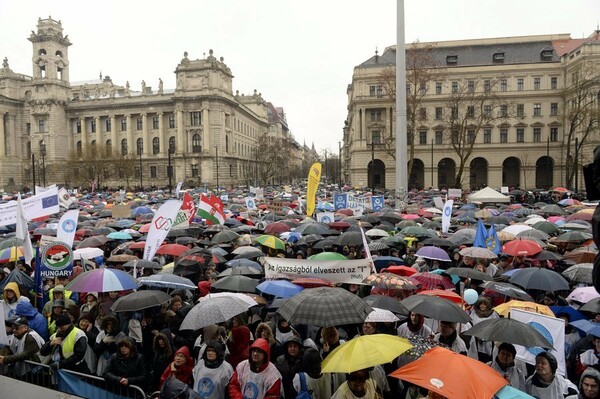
(63,320)
(57,303)
(510,348)
(551,359)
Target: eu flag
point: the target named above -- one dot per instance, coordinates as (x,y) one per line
(481,235)
(492,241)
(49,202)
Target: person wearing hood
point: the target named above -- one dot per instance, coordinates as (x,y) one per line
(256,377)
(58,308)
(239,342)
(289,364)
(90,305)
(162,354)
(212,332)
(37,322)
(212,373)
(545,382)
(127,366)
(415,325)
(589,385)
(478,348)
(106,342)
(504,364)
(67,346)
(316,382)
(57,293)
(180,368)
(11,298)
(86,324)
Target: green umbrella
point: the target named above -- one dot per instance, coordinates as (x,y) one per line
(271,242)
(327,256)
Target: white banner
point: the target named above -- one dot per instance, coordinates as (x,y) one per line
(43,204)
(454,193)
(22,232)
(250,203)
(551,328)
(447,215)
(67,227)
(39,190)
(325,217)
(64,198)
(336,271)
(163,220)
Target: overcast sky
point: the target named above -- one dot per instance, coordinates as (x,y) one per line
(299,54)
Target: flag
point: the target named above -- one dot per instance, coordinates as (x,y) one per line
(163,220)
(67,226)
(39,281)
(325,217)
(377,203)
(493,242)
(178,188)
(211,209)
(480,235)
(250,203)
(23,233)
(314,177)
(340,201)
(64,198)
(446,215)
(367,250)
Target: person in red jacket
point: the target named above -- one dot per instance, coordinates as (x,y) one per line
(257,377)
(181,367)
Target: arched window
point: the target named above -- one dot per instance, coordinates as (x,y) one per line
(140,146)
(196,144)
(155,146)
(42,52)
(59,53)
(78,145)
(124,147)
(172,144)
(108,147)
(93,146)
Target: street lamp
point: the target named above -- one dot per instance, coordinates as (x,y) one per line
(432,186)
(33,170)
(170,168)
(217,161)
(43,153)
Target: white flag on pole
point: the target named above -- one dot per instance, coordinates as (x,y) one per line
(23,233)
(67,227)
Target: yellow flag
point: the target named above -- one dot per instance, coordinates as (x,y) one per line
(314,177)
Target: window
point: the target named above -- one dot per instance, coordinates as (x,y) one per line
(520,135)
(553,134)
(375,90)
(139,124)
(155,122)
(537,83)
(124,147)
(487,85)
(487,136)
(41,126)
(196,144)
(438,113)
(471,86)
(487,111)
(136,172)
(439,137)
(423,137)
(375,116)
(438,87)
(93,145)
(79,151)
(140,146)
(226,143)
(554,83)
(195,118)
(471,111)
(171,121)
(375,137)
(520,110)
(454,87)
(93,125)
(537,109)
(553,109)
(153,172)
(155,146)
(504,111)
(470,136)
(422,88)
(452,59)
(520,84)
(78,126)
(422,113)
(172,144)
(108,148)
(503,85)
(195,170)
(123,124)
(537,134)
(498,57)
(454,112)
(504,135)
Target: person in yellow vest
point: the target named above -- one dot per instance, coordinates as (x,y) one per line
(67,347)
(55,294)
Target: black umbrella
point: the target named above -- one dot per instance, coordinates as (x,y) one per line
(313,228)
(435,308)
(536,278)
(103,231)
(510,331)
(93,242)
(325,243)
(438,242)
(592,306)
(324,307)
(387,303)
(140,300)
(547,255)
(467,272)
(236,284)
(167,281)
(353,239)
(142,264)
(240,271)
(506,289)
(224,237)
(19,277)
(581,273)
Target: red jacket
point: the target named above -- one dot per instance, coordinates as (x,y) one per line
(267,376)
(183,373)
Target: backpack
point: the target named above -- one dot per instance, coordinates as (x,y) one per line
(304,392)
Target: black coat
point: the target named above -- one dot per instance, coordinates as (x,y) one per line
(132,367)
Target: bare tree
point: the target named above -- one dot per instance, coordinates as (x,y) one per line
(274,158)
(527,166)
(581,114)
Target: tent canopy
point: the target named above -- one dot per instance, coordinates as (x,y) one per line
(488,195)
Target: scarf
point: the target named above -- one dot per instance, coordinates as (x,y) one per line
(502,367)
(535,380)
(449,339)
(414,328)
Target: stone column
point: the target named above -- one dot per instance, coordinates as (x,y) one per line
(98,131)
(2,137)
(113,135)
(84,137)
(145,134)
(180,139)
(130,143)
(206,139)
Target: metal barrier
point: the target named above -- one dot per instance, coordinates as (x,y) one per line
(42,375)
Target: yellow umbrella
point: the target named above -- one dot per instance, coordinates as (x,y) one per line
(168,268)
(504,309)
(363,352)
(271,242)
(506,236)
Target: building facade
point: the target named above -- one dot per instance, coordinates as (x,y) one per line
(487,112)
(74,133)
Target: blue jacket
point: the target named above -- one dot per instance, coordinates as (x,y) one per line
(37,321)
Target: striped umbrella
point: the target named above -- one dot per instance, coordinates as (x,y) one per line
(102,280)
(11,254)
(271,242)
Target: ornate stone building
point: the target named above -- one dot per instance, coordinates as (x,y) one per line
(75,132)
(530,136)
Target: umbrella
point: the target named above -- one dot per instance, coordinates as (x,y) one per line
(377,246)
(250,299)
(241,271)
(587,327)
(547,227)
(438,242)
(363,352)
(223,237)
(390,281)
(140,300)
(506,289)
(433,253)
(581,256)
(430,281)
(477,252)
(373,233)
(516,229)
(448,373)
(416,231)
(446,294)
(142,264)
(236,283)
(508,330)
(521,247)
(324,307)
(385,261)
(171,249)
(279,288)
(244,262)
(327,256)
(277,228)
(103,231)
(435,308)
(12,254)
(351,238)
(547,255)
(580,273)
(381,316)
(271,242)
(119,235)
(385,302)
(122,258)
(167,281)
(312,282)
(213,310)
(583,294)
(536,278)
(87,253)
(504,309)
(313,228)
(573,314)
(592,306)
(93,242)
(467,272)
(19,277)
(102,280)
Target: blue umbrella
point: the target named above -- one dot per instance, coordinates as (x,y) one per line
(574,315)
(125,223)
(279,288)
(508,392)
(587,327)
(455,278)
(119,235)
(141,210)
(381,262)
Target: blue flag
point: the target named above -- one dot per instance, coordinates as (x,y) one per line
(492,241)
(481,235)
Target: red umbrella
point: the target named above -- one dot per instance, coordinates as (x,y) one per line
(339,225)
(145,228)
(312,282)
(138,245)
(580,216)
(346,211)
(430,281)
(521,248)
(276,228)
(171,249)
(400,270)
(449,295)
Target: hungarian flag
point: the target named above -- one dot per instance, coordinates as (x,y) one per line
(211,209)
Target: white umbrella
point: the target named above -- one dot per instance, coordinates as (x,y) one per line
(534,219)
(377,233)
(516,228)
(476,252)
(251,302)
(87,253)
(213,310)
(381,316)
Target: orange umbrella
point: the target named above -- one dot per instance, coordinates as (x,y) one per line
(452,375)
(446,294)
(504,309)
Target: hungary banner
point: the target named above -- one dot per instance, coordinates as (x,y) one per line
(337,271)
(186,213)
(211,209)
